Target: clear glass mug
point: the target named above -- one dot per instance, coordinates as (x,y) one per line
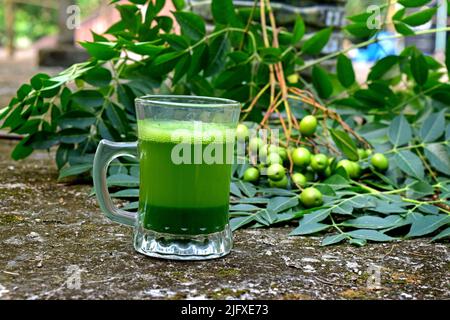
(185,149)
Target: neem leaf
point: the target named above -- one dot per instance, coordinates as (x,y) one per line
(345,144)
(372,235)
(439,157)
(322,82)
(368,222)
(345,72)
(279,204)
(76,119)
(191,24)
(409,163)
(337,182)
(308,228)
(244,207)
(123,180)
(238,222)
(88,98)
(299,30)
(74,170)
(234,190)
(126,193)
(266,217)
(419,189)
(433,127)
(167,57)
(101,50)
(419,67)
(37,80)
(316,216)
(224,13)
(443,234)
(21,150)
(317,42)
(360,30)
(145,48)
(99,77)
(400,132)
(179,4)
(333,239)
(247,188)
(382,67)
(216,55)
(413,3)
(403,28)
(427,224)
(131,205)
(419,18)
(73,135)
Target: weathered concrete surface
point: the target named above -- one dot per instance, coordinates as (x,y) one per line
(48,230)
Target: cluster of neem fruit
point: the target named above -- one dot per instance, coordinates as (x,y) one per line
(309,168)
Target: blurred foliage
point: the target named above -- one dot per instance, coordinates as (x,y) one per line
(33,22)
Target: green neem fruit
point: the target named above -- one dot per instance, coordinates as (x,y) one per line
(356,170)
(283,183)
(352,168)
(274,158)
(276,172)
(362,153)
(293,78)
(280,150)
(319,162)
(299,179)
(311,197)
(242,132)
(255,144)
(251,174)
(308,125)
(368,152)
(283,153)
(301,157)
(379,162)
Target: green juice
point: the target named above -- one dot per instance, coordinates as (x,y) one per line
(189,197)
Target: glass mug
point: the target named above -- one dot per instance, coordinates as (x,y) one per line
(185,149)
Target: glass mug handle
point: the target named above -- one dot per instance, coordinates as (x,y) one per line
(106,152)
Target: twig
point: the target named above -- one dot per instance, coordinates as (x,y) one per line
(10,136)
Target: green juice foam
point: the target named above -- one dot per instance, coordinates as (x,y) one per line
(185,131)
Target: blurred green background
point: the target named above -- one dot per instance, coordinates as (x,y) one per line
(33,21)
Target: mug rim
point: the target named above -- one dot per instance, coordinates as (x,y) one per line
(183,101)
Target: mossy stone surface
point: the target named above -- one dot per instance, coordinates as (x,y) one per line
(49,230)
